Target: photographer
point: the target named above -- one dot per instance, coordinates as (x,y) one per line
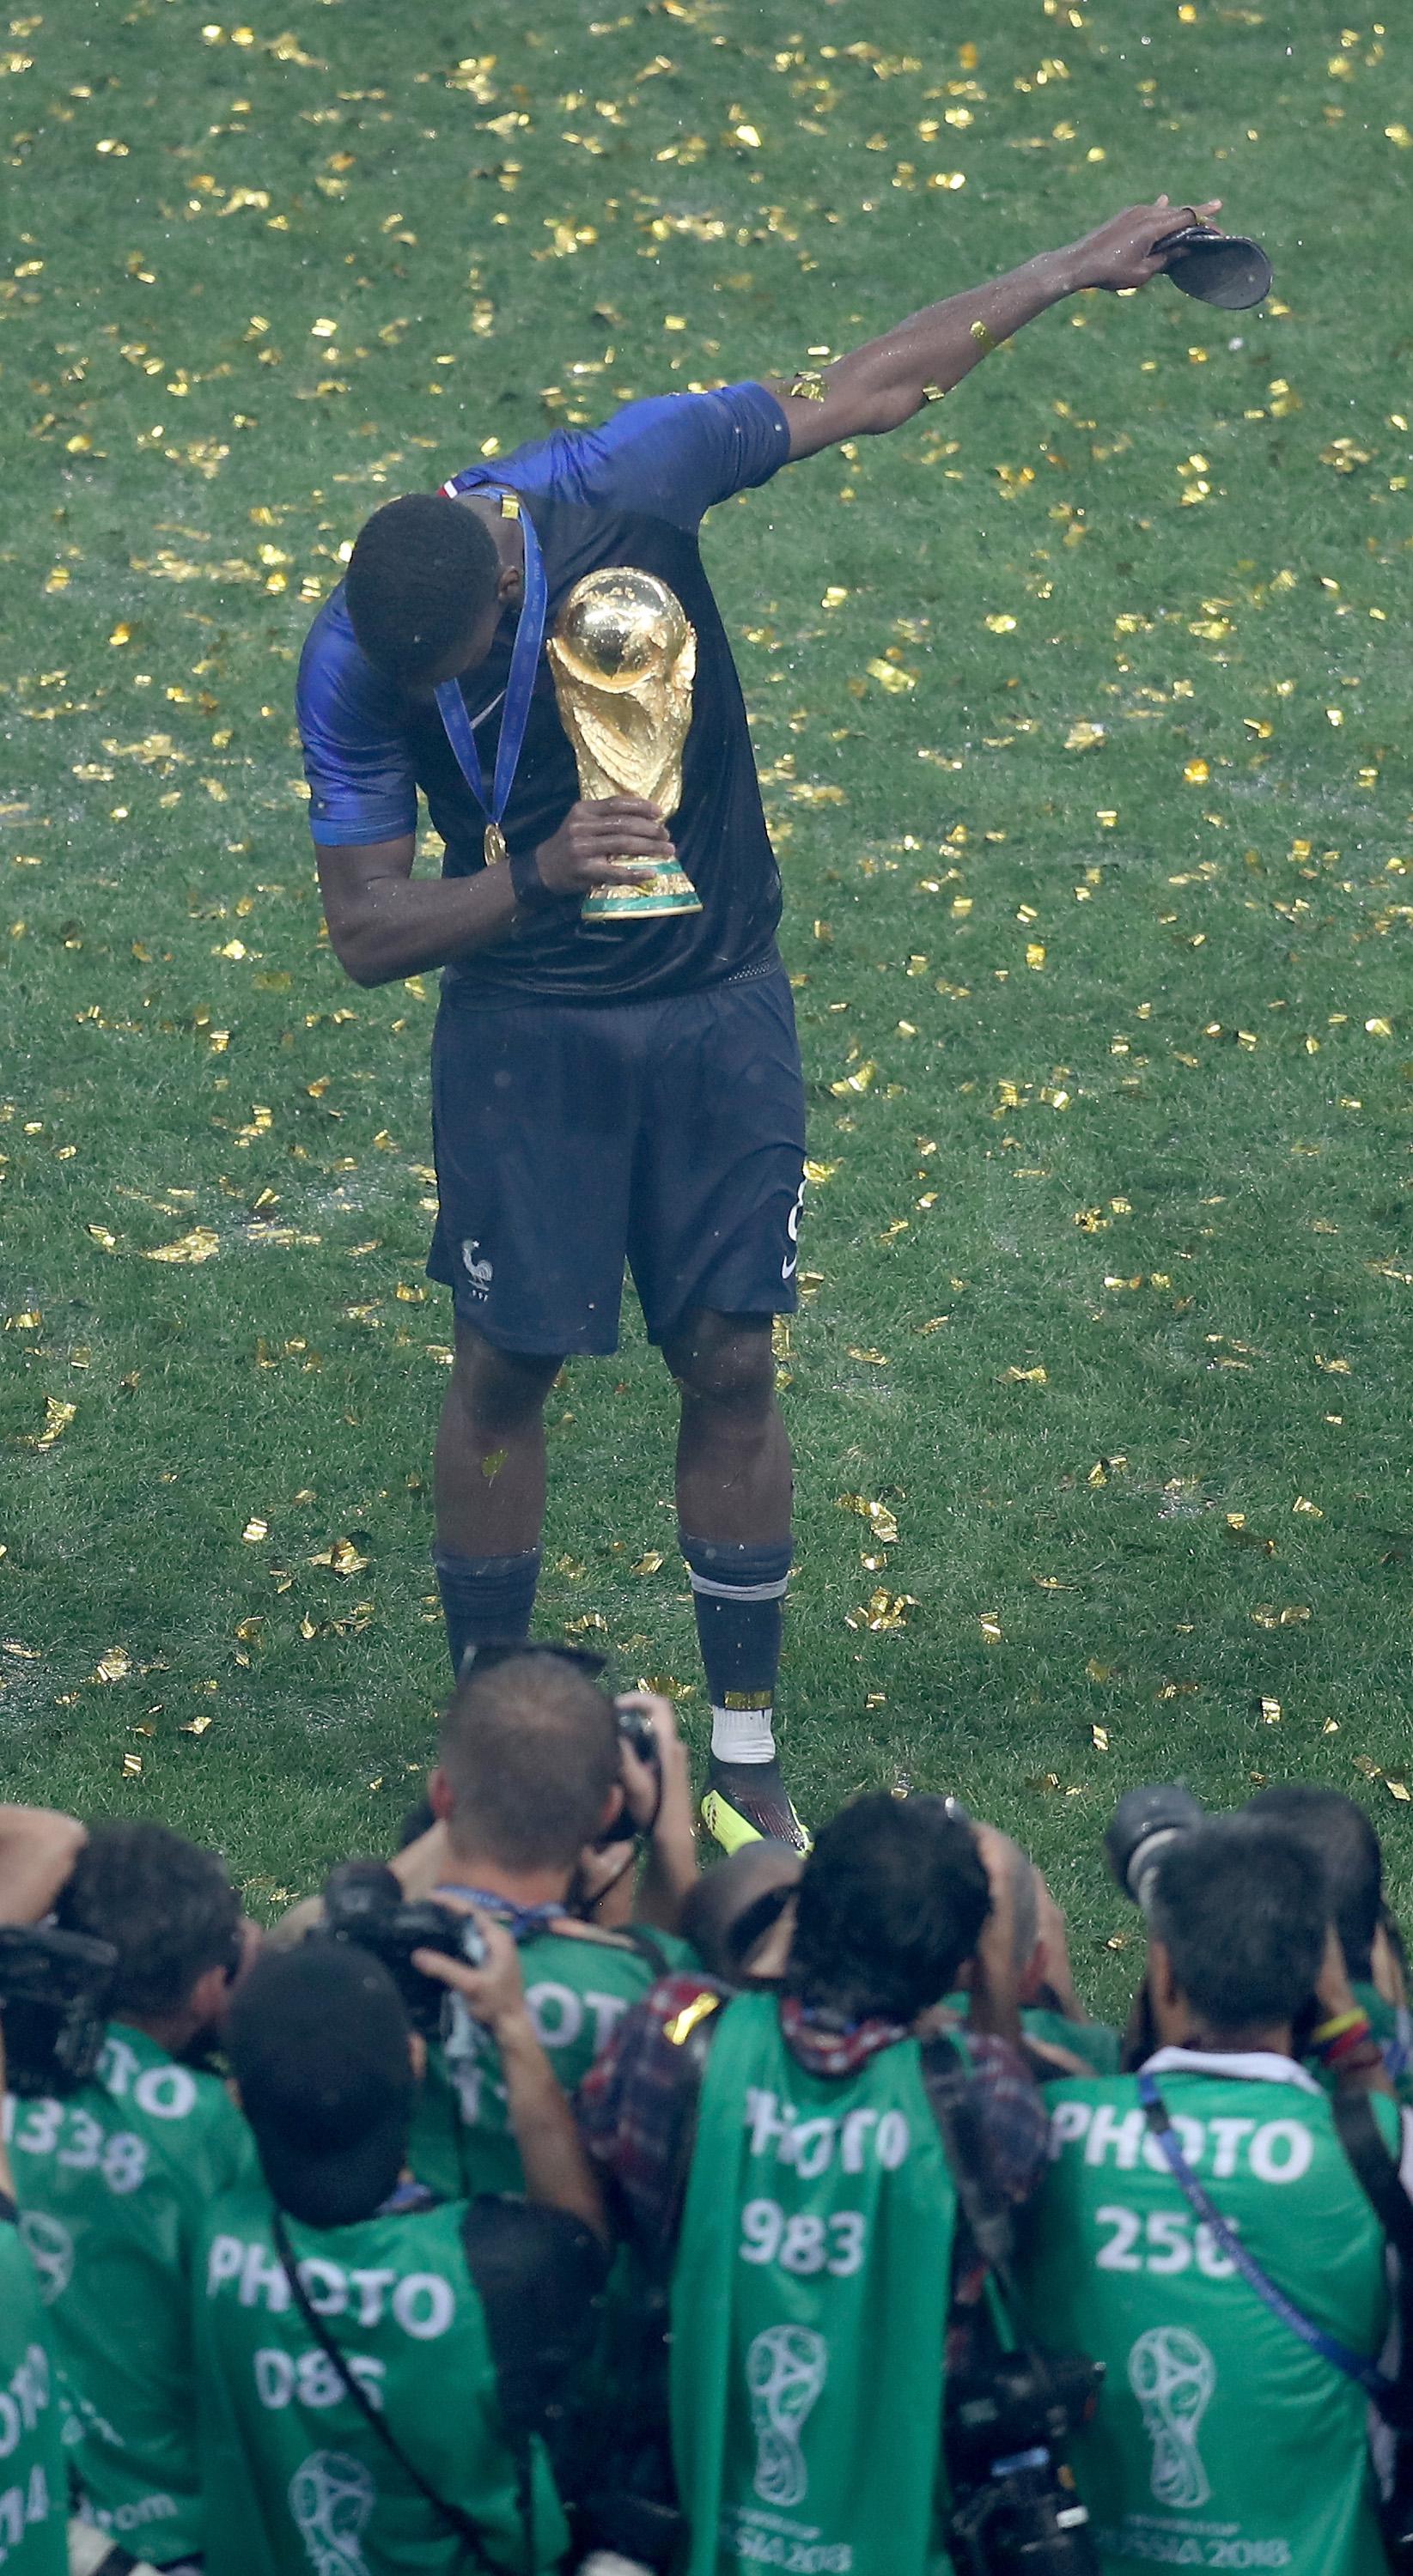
(37,1851)
(113,2180)
(1341,1840)
(783,2153)
(1224,2426)
(376,2367)
(534,1784)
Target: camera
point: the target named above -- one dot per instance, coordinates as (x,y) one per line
(363,1903)
(636,1730)
(1144,1823)
(1017,2512)
(54,1991)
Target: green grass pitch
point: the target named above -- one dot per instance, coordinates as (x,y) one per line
(1081,707)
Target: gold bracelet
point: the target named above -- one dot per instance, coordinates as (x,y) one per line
(985,340)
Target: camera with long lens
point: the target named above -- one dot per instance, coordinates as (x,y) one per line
(1016,2509)
(1145,1822)
(54,1993)
(363,1903)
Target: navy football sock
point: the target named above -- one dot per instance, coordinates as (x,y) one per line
(485,1599)
(739,1596)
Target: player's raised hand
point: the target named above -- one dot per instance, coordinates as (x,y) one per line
(595,834)
(1123,252)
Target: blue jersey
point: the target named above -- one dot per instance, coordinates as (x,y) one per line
(631,492)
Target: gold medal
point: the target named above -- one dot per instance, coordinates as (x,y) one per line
(493,846)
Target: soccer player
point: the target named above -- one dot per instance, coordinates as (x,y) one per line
(1221,2437)
(607,1091)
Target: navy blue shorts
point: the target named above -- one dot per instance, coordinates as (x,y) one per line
(572,1138)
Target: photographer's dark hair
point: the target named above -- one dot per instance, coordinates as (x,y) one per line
(167,1906)
(891,1902)
(530,1751)
(421,577)
(1242,1912)
(1337,1832)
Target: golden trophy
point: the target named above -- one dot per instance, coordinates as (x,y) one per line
(624,655)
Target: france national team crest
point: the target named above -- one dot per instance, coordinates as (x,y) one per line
(479,1271)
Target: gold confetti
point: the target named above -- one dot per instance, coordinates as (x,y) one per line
(196,1725)
(115,1666)
(1301,1504)
(1023,1377)
(57,1417)
(891,676)
(255,1529)
(649,1564)
(201,1244)
(1269,1711)
(990,1627)
(590,1623)
(874,1359)
(883,1612)
(880,1519)
(132,1766)
(1084,736)
(1099,1738)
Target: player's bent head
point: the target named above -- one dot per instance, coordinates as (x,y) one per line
(891,1905)
(421,588)
(529,1763)
(167,1906)
(1337,1832)
(322,2053)
(1241,1908)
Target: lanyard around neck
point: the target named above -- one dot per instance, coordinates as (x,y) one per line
(519,689)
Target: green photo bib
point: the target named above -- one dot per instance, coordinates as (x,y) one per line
(297,2484)
(809,2312)
(33,2487)
(1220,2439)
(113,2182)
(578,1988)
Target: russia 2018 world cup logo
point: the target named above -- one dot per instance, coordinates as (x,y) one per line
(1172,2374)
(786,2367)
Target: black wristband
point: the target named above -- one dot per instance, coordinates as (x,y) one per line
(531,891)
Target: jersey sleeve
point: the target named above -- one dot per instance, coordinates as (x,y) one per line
(671,456)
(362,787)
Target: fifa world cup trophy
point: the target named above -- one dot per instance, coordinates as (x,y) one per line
(624,655)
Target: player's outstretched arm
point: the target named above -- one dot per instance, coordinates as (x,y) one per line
(884,383)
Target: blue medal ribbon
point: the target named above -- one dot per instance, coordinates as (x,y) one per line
(519,689)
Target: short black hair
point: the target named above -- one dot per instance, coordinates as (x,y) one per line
(891,1902)
(167,1906)
(1242,1914)
(422,574)
(530,1751)
(1341,1837)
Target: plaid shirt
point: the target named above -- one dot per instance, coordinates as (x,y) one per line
(631,2108)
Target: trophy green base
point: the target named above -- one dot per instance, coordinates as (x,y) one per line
(669,889)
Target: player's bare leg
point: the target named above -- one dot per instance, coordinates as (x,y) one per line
(733,1509)
(490,1490)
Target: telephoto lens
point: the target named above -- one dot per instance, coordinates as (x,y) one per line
(1144,1823)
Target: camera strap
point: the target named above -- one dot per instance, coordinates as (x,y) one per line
(451,2514)
(1387,2394)
(979,2196)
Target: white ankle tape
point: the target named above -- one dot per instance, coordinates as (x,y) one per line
(742,1734)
